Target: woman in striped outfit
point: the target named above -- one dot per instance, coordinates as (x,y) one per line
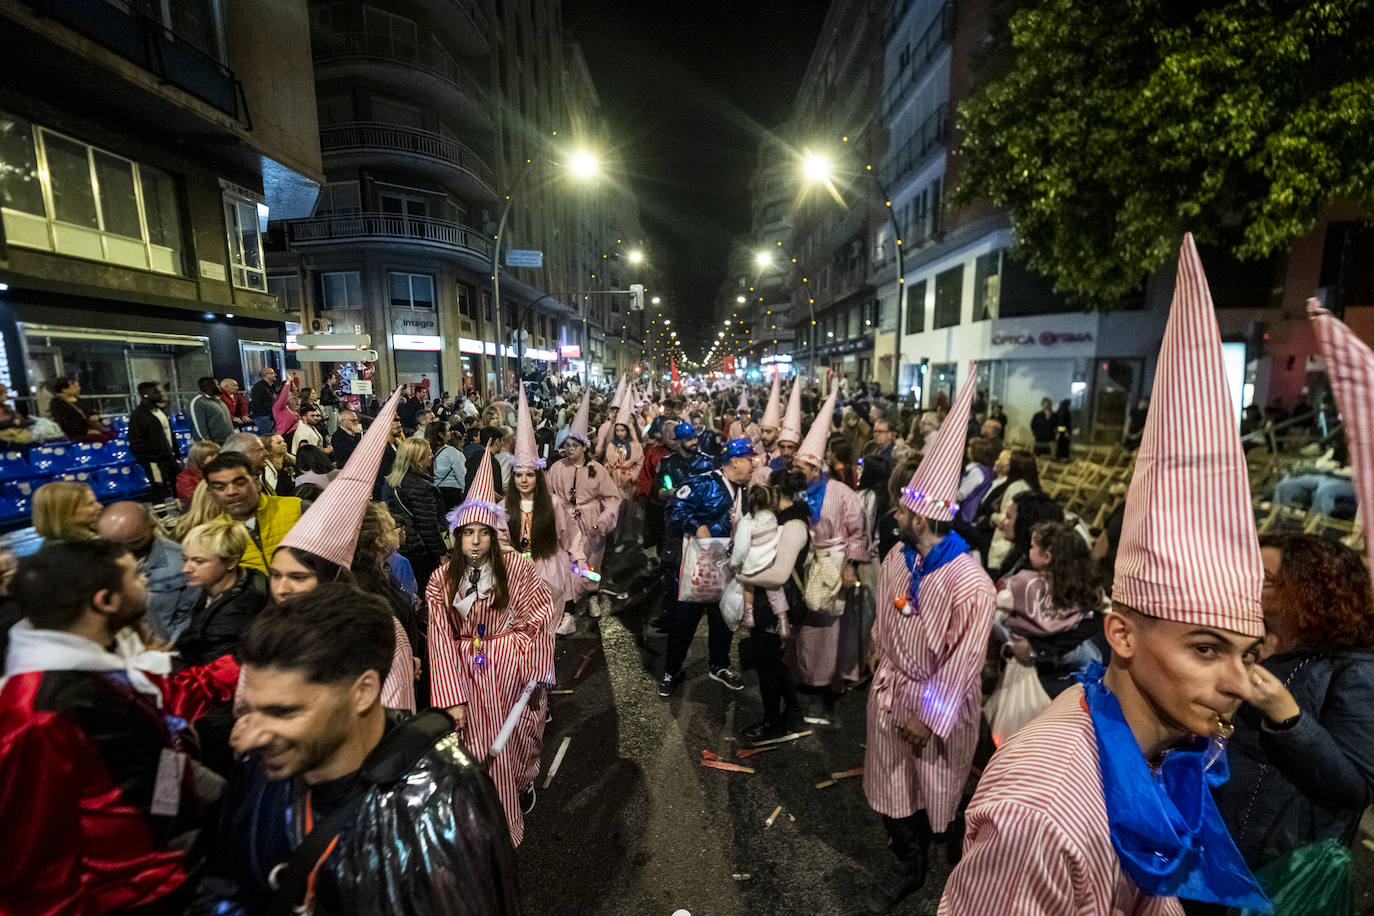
(490,635)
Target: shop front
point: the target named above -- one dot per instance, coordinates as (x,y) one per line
(416,346)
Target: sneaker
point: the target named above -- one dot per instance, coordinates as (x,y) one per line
(596,606)
(527,800)
(567,626)
(668,683)
(729,678)
(765,731)
(900,881)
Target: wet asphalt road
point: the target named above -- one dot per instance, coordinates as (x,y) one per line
(633,823)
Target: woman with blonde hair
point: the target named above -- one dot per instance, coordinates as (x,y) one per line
(65,509)
(201,454)
(203,508)
(230,595)
(417,504)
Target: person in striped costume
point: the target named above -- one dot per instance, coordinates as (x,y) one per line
(935,606)
(490,635)
(1103,804)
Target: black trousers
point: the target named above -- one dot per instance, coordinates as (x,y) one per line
(653,524)
(911,837)
(683,618)
(776,689)
(157,492)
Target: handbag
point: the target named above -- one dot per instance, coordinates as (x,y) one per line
(1018,699)
(822,584)
(701,574)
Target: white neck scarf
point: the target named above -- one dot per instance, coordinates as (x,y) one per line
(32,649)
(468,596)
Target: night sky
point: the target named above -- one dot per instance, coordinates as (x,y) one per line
(688,89)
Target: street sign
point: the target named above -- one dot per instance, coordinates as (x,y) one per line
(333,340)
(336,356)
(573,351)
(360,386)
(524,257)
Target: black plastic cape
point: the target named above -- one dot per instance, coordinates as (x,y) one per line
(429,837)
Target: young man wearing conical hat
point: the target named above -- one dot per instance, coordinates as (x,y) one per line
(827,643)
(787,438)
(770,422)
(1103,803)
(935,606)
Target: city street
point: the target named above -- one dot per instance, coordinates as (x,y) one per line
(634,824)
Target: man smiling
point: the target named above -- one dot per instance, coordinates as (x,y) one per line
(1103,803)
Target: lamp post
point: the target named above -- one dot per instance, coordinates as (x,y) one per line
(583,165)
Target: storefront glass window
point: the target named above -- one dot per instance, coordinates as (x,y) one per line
(20,187)
(110,366)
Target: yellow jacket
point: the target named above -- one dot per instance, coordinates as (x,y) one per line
(275,516)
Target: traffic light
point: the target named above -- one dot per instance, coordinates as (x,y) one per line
(637,297)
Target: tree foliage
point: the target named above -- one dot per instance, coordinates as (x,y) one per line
(1108,128)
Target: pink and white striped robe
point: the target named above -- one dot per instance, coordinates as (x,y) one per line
(826,648)
(593,510)
(518,647)
(1038,842)
(931,665)
(398,690)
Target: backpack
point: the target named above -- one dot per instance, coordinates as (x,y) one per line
(822,585)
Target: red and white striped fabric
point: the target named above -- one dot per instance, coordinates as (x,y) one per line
(481,505)
(772,412)
(398,690)
(791,430)
(517,648)
(812,449)
(931,666)
(1350,367)
(934,488)
(1189,552)
(323,529)
(815,654)
(578,428)
(1037,841)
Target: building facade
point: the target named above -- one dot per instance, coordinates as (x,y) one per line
(143,154)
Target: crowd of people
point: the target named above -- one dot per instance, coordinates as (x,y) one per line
(323,686)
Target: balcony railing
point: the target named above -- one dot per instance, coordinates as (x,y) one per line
(932,133)
(334,46)
(919,57)
(389,227)
(412,141)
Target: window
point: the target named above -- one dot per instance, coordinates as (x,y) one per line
(197,22)
(341,289)
(245,241)
(59,194)
(287,290)
(338,198)
(987,285)
(949,292)
(856,321)
(411,291)
(465,302)
(916,308)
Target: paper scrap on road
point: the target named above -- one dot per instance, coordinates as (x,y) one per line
(586,660)
(785,738)
(815,720)
(741,876)
(845,774)
(557,760)
(722,765)
(772,817)
(751,751)
(710,755)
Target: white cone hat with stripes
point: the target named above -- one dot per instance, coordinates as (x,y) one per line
(329,528)
(1189,552)
(812,450)
(481,506)
(578,429)
(934,489)
(791,430)
(772,413)
(526,455)
(1350,368)
(619,393)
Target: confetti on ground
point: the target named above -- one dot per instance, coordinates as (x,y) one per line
(722,765)
(845,774)
(751,751)
(815,720)
(772,817)
(586,660)
(710,755)
(784,739)
(790,817)
(557,760)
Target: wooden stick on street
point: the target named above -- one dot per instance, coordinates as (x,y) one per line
(557,760)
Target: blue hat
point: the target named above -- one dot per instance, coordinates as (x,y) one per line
(685,430)
(738,448)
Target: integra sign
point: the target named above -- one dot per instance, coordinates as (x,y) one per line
(1044,338)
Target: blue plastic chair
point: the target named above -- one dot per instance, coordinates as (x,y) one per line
(117,453)
(107,484)
(51,460)
(13,466)
(179,423)
(13,508)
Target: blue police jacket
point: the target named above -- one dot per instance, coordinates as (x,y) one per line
(704,500)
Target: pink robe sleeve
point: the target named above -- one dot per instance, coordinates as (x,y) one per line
(398,691)
(609,495)
(853,530)
(1016,862)
(448,684)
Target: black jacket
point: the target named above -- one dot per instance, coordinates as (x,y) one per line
(261,397)
(344,443)
(419,506)
(147,438)
(428,835)
(216,626)
(1291,787)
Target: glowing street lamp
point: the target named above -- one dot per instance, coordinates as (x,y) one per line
(636,256)
(817,168)
(584,164)
(656,300)
(764,259)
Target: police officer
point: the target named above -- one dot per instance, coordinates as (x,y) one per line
(706,506)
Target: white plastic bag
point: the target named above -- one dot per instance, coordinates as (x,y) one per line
(732,603)
(1019,697)
(702,575)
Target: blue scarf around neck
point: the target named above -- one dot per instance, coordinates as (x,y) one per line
(1165,827)
(815,497)
(950,546)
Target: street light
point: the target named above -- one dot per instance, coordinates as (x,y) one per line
(816,167)
(584,164)
(762,259)
(656,300)
(636,256)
